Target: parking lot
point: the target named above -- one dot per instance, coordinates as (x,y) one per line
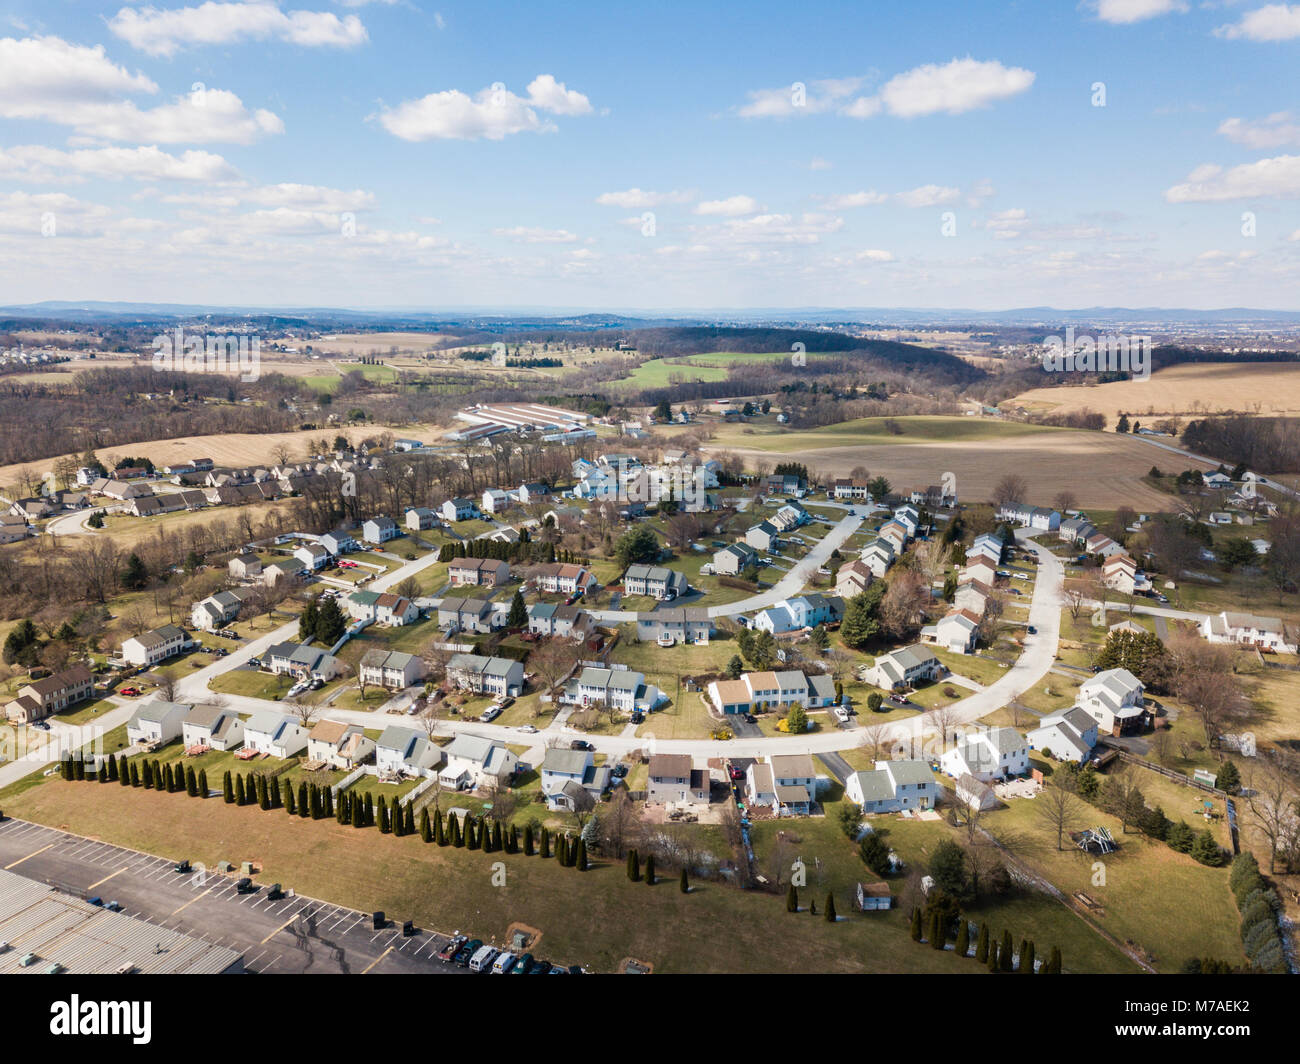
(289,935)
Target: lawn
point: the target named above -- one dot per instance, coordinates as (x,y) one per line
(874,432)
(594,918)
(251,682)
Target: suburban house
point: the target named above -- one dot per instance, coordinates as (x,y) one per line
(893,786)
(533,491)
(972,597)
(785,783)
(904,667)
(473,762)
(303,661)
(993,753)
(313,556)
(281,569)
(654,580)
(853,578)
(548,618)
(1076,530)
(484,675)
(800,612)
(494,501)
(672,779)
(1038,518)
(1216,480)
(1114,699)
(1120,573)
(244,566)
(878,556)
(956,631)
(849,488)
(763,536)
(274,734)
(339,542)
(380,530)
(1249,629)
(785,484)
(213,728)
(465,614)
(339,744)
(392,670)
(216,611)
(733,559)
(420,519)
(382,607)
(571,782)
(619,689)
(38,699)
(475,572)
(458,510)
(668,625)
(1067,735)
(405,752)
(975,793)
(157,722)
(157,644)
(562,578)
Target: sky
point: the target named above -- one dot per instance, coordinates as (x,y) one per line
(674,156)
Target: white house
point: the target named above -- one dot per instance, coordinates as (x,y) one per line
(571,781)
(157,722)
(313,556)
(459,510)
(339,744)
(158,644)
(1067,735)
(955,631)
(1114,699)
(786,783)
(994,753)
(391,669)
(494,501)
(215,727)
(893,786)
(474,761)
(421,519)
(339,542)
(274,734)
(732,559)
(216,611)
(405,752)
(380,530)
(904,667)
(673,779)
(1250,629)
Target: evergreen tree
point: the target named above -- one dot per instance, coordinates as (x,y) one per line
(290,802)
(426,832)
(135,576)
(203,783)
(439,832)
(633,866)
(650,870)
(454,830)
(112,769)
(1005,959)
(1054,962)
(307,621)
(830,906)
(937,937)
(408,820)
(123,771)
(546,843)
(963,937)
(191,782)
(528,840)
(135,775)
(240,797)
(916,924)
(518,616)
(327,799)
(993,962)
(66,769)
(683,884)
(580,855)
(1024,951)
(358,813)
(369,812)
(1027,957)
(228,789)
(384,826)
(791,899)
(496,835)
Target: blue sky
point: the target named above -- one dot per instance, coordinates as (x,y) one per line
(599,156)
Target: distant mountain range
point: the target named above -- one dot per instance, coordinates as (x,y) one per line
(586,318)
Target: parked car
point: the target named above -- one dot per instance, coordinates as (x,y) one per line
(580,744)
(619,771)
(482,960)
(540,968)
(98,902)
(490,714)
(523,965)
(750,718)
(528,729)
(449,951)
(638,717)
(114,906)
(44,725)
(463,955)
(504,963)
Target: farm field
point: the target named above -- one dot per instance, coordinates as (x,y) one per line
(1102,469)
(1188,390)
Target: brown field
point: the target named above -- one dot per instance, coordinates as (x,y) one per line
(229,449)
(1101,469)
(353,344)
(1193,390)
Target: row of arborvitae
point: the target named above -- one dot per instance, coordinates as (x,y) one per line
(997,956)
(157,777)
(792,904)
(310,800)
(650,878)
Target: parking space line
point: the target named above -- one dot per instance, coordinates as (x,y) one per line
(193,900)
(277,930)
(106,879)
(28,857)
(377,960)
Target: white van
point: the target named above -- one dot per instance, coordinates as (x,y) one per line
(482,959)
(499,965)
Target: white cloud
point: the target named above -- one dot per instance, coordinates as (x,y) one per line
(1275,131)
(1008,224)
(1277,177)
(875,255)
(778,229)
(953,88)
(49,79)
(1273,22)
(38,163)
(980,191)
(854,199)
(798,98)
(492,113)
(163,33)
(533,235)
(731,207)
(928,196)
(636,198)
(818,163)
(1123,12)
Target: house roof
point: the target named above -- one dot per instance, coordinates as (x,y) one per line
(791,766)
(875,784)
(156,712)
(330,731)
(670,766)
(566,762)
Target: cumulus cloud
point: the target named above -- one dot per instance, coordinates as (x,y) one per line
(32,162)
(163,33)
(490,114)
(47,78)
(534,235)
(1273,22)
(1275,131)
(731,207)
(1123,12)
(854,199)
(798,98)
(928,196)
(954,88)
(637,199)
(1278,177)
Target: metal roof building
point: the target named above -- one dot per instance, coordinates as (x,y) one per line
(84,939)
